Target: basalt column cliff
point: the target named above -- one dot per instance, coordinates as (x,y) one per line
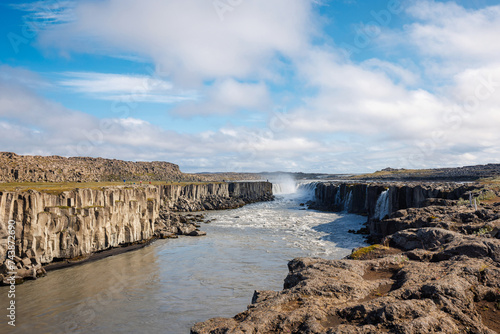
(77,223)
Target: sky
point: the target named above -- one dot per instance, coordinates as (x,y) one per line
(326,86)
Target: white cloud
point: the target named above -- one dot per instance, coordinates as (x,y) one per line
(226,96)
(22,77)
(41,13)
(187,37)
(119,87)
(452,36)
(89,82)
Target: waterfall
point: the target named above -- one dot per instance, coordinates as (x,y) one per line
(348,201)
(307,189)
(382,207)
(284,187)
(302,189)
(338,200)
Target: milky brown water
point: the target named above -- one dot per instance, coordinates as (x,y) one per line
(170,285)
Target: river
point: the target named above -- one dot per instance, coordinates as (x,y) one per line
(169,285)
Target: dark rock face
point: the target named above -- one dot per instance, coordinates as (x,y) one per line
(361,198)
(376,199)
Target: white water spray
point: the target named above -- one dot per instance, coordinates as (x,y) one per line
(348,201)
(285,186)
(382,207)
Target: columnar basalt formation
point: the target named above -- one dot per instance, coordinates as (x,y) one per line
(77,223)
(212,196)
(378,201)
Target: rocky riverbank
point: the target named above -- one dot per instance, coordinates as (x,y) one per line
(437,270)
(73,226)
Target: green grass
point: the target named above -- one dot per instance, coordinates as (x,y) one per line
(382,173)
(462,201)
(487,195)
(357,254)
(490,180)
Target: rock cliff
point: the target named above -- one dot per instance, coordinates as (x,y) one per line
(379,200)
(213,196)
(77,223)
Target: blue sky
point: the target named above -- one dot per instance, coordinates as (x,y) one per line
(253,85)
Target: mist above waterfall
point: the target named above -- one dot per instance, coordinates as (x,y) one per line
(288,187)
(284,185)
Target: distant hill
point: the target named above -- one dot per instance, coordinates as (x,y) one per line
(467,173)
(19,168)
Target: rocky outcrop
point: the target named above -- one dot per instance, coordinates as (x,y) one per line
(389,295)
(18,168)
(75,224)
(424,280)
(171,225)
(463,219)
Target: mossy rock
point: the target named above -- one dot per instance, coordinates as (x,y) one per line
(363,253)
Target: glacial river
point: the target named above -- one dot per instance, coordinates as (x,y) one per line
(169,285)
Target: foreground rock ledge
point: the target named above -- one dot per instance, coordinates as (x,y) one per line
(430,280)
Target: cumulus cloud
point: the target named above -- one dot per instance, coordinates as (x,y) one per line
(449,31)
(188,38)
(227,95)
(361,100)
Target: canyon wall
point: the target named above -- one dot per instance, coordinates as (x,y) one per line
(213,196)
(378,200)
(79,222)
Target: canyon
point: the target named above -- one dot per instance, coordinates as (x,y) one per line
(433,266)
(73,225)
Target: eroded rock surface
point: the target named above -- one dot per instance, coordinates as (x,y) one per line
(439,272)
(392,294)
